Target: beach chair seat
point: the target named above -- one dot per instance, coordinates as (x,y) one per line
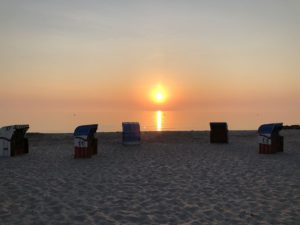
(13,141)
(270,141)
(85,143)
(131,133)
(218,132)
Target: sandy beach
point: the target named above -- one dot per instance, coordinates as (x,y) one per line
(171,178)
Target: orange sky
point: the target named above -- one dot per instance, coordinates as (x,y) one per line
(58,57)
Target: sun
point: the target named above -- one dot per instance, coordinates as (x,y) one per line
(159,94)
(159,97)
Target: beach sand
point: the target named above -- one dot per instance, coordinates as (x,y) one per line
(171,178)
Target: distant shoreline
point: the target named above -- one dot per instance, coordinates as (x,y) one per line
(152,131)
(287,127)
(291,127)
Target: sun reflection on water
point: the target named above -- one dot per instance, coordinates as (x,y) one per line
(159,120)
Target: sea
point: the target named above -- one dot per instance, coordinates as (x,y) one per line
(156,120)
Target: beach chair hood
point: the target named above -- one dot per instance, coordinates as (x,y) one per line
(218,124)
(7,132)
(270,129)
(86,130)
(131,126)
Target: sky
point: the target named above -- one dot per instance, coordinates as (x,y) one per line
(75,57)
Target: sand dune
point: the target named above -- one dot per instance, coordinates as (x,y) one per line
(172,178)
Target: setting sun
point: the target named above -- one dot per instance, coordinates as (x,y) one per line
(159,95)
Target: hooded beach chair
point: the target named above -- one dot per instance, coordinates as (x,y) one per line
(269,139)
(131,133)
(13,141)
(85,143)
(218,132)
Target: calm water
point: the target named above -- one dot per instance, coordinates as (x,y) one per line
(149,120)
